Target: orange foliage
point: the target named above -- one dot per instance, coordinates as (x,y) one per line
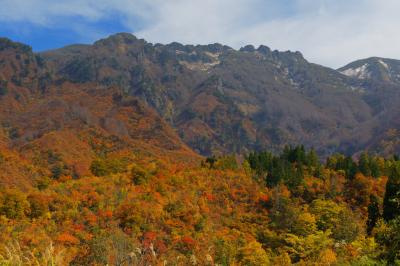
(65,178)
(263,198)
(148,239)
(67,239)
(91,219)
(209,196)
(105,214)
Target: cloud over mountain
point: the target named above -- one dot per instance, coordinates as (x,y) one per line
(326,31)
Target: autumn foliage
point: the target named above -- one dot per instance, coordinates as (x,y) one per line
(138,209)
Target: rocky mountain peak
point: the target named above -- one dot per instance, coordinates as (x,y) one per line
(375,69)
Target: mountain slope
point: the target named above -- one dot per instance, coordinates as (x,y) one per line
(223,100)
(218,99)
(59,127)
(380,79)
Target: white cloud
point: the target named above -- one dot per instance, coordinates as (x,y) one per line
(330,32)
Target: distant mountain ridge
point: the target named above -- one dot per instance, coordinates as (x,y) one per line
(217,99)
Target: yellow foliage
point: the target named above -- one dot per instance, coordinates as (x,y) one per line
(282,259)
(305,224)
(253,255)
(327,257)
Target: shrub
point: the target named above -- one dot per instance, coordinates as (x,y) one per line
(139,175)
(99,168)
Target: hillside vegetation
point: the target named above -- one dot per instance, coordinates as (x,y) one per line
(268,210)
(130,153)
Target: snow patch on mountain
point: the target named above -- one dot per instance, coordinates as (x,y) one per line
(359,72)
(384,64)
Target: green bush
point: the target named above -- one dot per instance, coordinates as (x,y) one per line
(99,168)
(139,175)
(104,167)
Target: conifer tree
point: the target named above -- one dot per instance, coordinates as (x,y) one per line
(373,214)
(391,202)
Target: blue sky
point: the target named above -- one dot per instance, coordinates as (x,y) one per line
(329,32)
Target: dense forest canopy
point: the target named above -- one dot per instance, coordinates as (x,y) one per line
(266,209)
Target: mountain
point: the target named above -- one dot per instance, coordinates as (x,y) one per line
(61,127)
(374,68)
(224,100)
(211,99)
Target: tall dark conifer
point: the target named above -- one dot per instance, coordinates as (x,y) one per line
(373,214)
(391,202)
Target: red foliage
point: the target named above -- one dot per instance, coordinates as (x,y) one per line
(263,199)
(160,246)
(209,196)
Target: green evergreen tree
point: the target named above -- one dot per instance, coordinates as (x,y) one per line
(312,159)
(350,167)
(375,168)
(364,164)
(391,202)
(373,214)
